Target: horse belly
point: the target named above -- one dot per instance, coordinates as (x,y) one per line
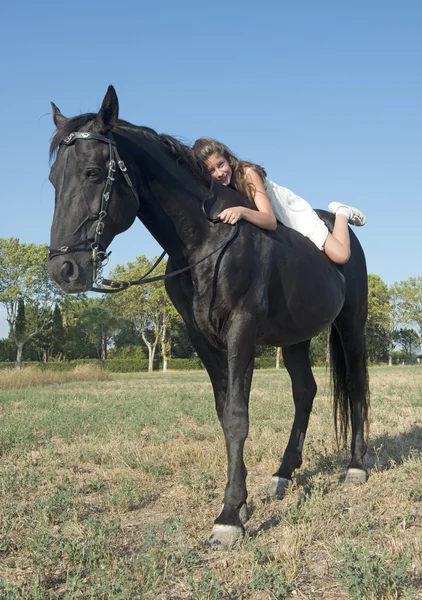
(302,301)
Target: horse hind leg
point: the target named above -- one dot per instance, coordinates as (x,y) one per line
(304,388)
(351,393)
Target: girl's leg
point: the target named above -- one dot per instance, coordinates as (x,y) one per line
(337,244)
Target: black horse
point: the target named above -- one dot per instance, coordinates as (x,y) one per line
(258,288)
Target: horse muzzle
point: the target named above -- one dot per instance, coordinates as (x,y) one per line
(73,276)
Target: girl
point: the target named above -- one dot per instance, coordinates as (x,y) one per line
(272,203)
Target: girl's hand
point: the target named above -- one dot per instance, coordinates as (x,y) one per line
(231,215)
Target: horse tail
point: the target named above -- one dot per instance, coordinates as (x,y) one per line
(342,406)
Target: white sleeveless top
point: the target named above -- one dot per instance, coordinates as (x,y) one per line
(294,212)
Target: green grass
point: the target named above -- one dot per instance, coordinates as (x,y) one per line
(108,490)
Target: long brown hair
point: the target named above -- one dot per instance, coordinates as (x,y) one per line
(205,147)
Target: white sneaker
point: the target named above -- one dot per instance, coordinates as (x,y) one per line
(356,216)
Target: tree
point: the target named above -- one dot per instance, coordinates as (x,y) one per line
(170,317)
(7,350)
(98,321)
(319,349)
(20,323)
(147,306)
(277,357)
(87,329)
(408,340)
(126,335)
(181,346)
(24,278)
(36,315)
(377,325)
(57,333)
(394,318)
(411,302)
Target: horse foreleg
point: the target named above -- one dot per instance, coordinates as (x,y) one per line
(216,363)
(297,362)
(228,526)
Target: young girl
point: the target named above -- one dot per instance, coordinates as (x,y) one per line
(272,203)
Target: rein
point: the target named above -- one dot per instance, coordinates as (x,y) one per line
(100,257)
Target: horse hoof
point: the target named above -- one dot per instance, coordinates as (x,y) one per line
(224,537)
(244,514)
(356,476)
(278,486)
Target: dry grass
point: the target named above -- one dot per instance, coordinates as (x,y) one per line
(12,379)
(118,505)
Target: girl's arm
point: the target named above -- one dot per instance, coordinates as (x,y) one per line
(262,217)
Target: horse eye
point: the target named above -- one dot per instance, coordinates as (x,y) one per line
(92,172)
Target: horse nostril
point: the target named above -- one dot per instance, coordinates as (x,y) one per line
(67,272)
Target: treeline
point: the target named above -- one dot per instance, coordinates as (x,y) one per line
(141,323)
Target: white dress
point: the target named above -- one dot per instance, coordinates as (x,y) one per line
(294,212)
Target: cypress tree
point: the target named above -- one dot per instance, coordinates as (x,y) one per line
(20,324)
(57,331)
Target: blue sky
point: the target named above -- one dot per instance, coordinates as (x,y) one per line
(326,95)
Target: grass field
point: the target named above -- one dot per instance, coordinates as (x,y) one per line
(109,488)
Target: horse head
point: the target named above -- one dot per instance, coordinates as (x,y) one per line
(94,196)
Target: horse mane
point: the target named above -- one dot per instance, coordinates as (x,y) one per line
(184,154)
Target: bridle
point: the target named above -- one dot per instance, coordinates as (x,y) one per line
(99,256)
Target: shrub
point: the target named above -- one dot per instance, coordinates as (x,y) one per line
(130,352)
(265,362)
(128,365)
(184,364)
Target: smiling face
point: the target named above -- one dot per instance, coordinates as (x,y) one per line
(219,168)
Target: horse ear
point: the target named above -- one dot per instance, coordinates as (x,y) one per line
(58,118)
(109,111)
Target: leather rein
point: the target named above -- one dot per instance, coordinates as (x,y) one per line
(99,256)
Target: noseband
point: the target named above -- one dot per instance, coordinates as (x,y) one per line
(99,256)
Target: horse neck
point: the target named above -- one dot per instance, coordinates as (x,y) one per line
(170,196)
